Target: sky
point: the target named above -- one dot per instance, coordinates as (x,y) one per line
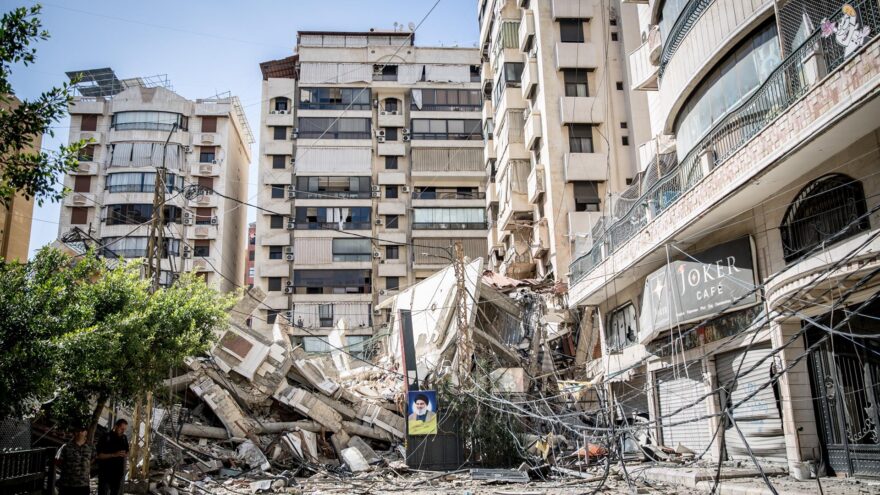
(205,48)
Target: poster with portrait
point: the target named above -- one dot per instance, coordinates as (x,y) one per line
(422,412)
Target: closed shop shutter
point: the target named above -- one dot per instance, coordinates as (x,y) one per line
(758,417)
(678,387)
(632,395)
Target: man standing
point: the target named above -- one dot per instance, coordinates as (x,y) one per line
(112,451)
(75,461)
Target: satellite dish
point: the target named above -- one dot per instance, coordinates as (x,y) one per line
(411,26)
(395,25)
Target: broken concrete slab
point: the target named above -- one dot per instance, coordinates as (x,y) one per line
(355,461)
(308,404)
(369,454)
(224,406)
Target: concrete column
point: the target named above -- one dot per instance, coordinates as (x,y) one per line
(713,407)
(798,416)
(653,407)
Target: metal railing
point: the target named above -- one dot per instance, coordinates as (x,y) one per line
(686,19)
(334,225)
(27,471)
(816,57)
(448,195)
(450,226)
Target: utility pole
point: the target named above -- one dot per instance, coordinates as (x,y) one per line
(465,338)
(139,456)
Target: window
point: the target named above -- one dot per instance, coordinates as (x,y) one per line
(624,125)
(449,218)
(446,99)
(282,104)
(624,140)
(586,196)
(357,346)
(391,221)
(513,73)
(274,284)
(325,315)
(276,252)
(252,256)
(390,134)
(392,283)
(87,153)
(207,154)
(271,316)
(824,209)
(313,217)
(352,249)
(390,192)
(475,73)
(133,214)
(571,30)
(278,191)
(334,128)
(392,252)
(384,72)
(140,182)
(209,124)
(613,35)
(622,329)
(279,133)
(204,216)
(332,281)
(619,85)
(279,161)
(79,215)
(447,129)
(576,82)
(206,185)
(320,187)
(391,104)
(276,222)
(580,138)
(612,21)
(89,123)
(335,98)
(390,163)
(82,183)
(148,121)
(202,248)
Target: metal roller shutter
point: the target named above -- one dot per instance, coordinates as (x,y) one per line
(632,395)
(758,418)
(678,387)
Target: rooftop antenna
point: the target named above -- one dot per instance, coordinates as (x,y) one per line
(395,26)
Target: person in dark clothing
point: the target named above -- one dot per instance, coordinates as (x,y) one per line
(75,461)
(112,451)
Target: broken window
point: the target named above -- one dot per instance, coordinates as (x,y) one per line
(622,329)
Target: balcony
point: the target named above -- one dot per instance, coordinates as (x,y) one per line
(540,238)
(491,194)
(576,56)
(533,128)
(571,9)
(279,147)
(450,195)
(584,166)
(518,265)
(279,119)
(801,111)
(581,110)
(86,168)
(391,178)
(529,77)
(644,72)
(80,199)
(95,137)
(536,184)
(202,264)
(526,30)
(391,148)
(86,104)
(489,152)
(202,232)
(388,268)
(580,223)
(205,169)
(450,225)
(391,119)
(488,111)
(487,75)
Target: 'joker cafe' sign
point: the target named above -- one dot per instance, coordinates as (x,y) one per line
(698,286)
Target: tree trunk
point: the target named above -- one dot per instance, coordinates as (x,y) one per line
(96,415)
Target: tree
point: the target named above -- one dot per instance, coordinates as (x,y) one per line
(76,333)
(31,171)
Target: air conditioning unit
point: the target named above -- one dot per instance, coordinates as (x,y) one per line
(405,138)
(283,112)
(378,221)
(214,220)
(79,199)
(288,290)
(376,102)
(273,112)
(187,149)
(380,139)
(405,189)
(291,192)
(376,194)
(375,188)
(383,112)
(405,131)
(289,283)
(291,225)
(293,160)
(380,133)
(186,252)
(288,315)
(382,292)
(377,254)
(205,169)
(187,218)
(289,257)
(295,133)
(213,162)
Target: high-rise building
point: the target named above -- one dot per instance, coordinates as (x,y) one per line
(137,126)
(251,254)
(370,169)
(561,126)
(732,295)
(16,216)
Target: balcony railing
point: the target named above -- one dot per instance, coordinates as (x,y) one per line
(333,135)
(448,195)
(334,225)
(333,194)
(791,79)
(448,136)
(689,16)
(450,226)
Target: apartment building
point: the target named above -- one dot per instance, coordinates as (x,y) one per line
(136,126)
(16,214)
(370,169)
(736,278)
(561,125)
(251,253)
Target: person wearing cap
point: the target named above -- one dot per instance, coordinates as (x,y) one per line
(74,460)
(422,421)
